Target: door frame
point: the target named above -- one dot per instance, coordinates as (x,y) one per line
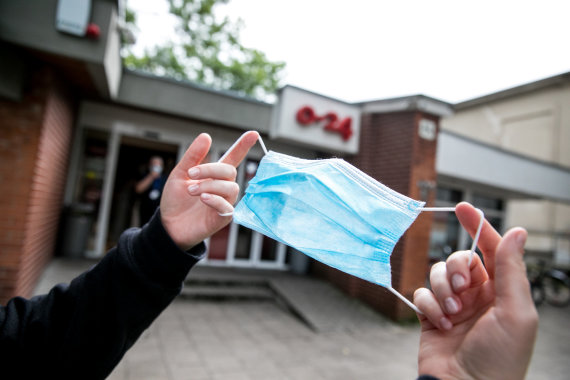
(118,131)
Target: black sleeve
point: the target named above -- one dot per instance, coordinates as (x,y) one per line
(427,377)
(82,330)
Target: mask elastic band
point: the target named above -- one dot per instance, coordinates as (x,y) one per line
(262,145)
(473,247)
(479,228)
(237,142)
(406,301)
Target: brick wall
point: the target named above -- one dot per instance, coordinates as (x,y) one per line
(34,147)
(392,153)
(413,262)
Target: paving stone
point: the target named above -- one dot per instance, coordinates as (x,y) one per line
(306,330)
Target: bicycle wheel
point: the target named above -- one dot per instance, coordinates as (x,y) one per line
(537,293)
(556,291)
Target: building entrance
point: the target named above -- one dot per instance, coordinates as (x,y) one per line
(110,163)
(132,166)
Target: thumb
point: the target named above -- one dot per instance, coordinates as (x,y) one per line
(511,284)
(196,152)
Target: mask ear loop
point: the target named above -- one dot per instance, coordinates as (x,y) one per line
(472,251)
(479,228)
(259,139)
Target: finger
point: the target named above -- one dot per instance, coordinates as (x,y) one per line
(196,153)
(238,152)
(511,284)
(489,239)
(425,301)
(442,291)
(216,202)
(225,189)
(462,275)
(213,170)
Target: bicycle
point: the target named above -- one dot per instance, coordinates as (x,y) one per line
(550,284)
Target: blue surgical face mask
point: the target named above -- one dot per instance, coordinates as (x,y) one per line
(330,211)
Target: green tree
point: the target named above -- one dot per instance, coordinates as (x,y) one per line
(208,51)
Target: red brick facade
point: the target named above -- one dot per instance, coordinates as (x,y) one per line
(392,152)
(34,147)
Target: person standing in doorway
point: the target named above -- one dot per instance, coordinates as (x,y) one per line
(150,188)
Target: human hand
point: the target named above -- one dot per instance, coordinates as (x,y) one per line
(479,321)
(195,194)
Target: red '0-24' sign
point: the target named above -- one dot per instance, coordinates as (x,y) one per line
(306,116)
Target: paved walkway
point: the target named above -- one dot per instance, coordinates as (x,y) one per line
(243,324)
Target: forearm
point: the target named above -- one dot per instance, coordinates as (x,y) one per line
(92,322)
(144,184)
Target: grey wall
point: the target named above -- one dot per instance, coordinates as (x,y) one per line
(462,158)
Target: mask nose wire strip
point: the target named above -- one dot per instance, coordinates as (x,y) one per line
(230,150)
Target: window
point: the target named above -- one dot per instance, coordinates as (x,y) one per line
(485,202)
(447,235)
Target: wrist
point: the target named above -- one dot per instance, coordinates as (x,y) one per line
(442,368)
(159,257)
(172,230)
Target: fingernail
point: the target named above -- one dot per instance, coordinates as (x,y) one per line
(194,172)
(451,306)
(193,188)
(445,323)
(206,196)
(521,239)
(457,281)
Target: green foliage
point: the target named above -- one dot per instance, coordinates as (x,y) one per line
(209,51)
(130,17)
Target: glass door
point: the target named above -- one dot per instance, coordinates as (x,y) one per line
(236,245)
(242,251)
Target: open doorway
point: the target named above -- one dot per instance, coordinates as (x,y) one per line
(132,165)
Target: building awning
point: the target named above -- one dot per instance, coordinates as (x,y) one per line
(94,65)
(464,159)
(194,101)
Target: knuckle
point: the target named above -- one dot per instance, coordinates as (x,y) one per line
(230,171)
(458,257)
(235,189)
(418,294)
(437,268)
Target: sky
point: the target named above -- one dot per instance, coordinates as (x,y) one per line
(357,50)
